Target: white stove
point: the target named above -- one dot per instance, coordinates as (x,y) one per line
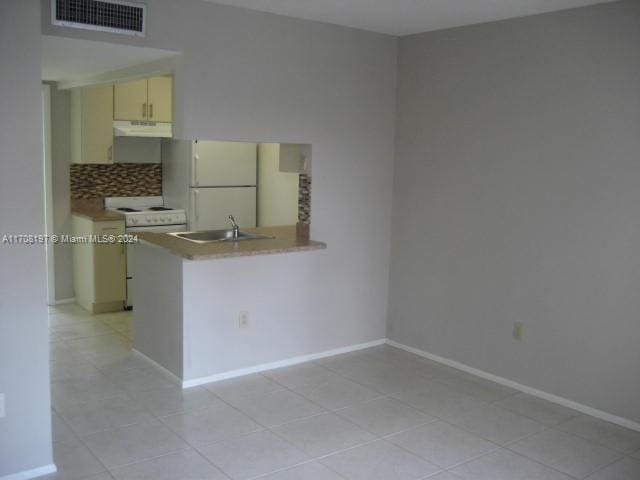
(144,214)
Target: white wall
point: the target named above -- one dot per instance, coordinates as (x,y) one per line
(252,76)
(288,315)
(517,199)
(25,432)
(277,191)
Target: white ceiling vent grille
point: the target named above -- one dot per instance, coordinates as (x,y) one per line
(113,16)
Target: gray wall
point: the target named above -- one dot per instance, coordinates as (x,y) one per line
(517,198)
(60,160)
(25,432)
(252,76)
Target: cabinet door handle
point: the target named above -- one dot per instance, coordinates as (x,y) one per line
(110,152)
(151,110)
(144,110)
(195,204)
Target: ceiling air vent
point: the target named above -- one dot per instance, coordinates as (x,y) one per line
(113,16)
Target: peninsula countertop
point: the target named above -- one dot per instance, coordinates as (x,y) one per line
(285,241)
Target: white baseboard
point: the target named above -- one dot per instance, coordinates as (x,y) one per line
(64,301)
(170,375)
(279,364)
(623,422)
(33,473)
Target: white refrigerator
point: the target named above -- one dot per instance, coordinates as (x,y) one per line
(211,180)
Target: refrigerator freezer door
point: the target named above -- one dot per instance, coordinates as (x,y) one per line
(224,164)
(211,207)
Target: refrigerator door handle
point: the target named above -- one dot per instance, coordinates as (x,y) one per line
(195,204)
(196,157)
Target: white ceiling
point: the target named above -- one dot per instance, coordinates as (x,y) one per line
(70,59)
(405,17)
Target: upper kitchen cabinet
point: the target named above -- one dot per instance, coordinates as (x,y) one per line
(92,124)
(148,99)
(130,100)
(160,99)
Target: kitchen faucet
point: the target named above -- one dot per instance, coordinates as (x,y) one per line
(236,228)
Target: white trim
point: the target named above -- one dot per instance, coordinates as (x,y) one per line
(48,192)
(279,364)
(64,301)
(170,375)
(623,422)
(33,473)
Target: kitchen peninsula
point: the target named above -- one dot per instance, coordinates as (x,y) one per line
(207,311)
(284,240)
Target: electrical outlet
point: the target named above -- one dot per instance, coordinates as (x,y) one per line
(243,320)
(1,405)
(518,330)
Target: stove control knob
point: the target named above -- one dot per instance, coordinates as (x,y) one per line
(134,221)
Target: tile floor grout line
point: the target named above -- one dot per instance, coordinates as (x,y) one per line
(574,434)
(579,437)
(384,363)
(264,425)
(495,448)
(301,395)
(104,466)
(508,447)
(273,427)
(148,459)
(604,466)
(520,455)
(81,439)
(450,423)
(291,467)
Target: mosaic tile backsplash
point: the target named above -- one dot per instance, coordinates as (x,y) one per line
(304,198)
(115,180)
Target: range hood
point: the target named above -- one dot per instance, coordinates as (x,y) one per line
(142,129)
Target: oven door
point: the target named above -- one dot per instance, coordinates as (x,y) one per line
(130,251)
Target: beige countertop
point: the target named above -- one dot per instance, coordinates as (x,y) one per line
(96,214)
(285,241)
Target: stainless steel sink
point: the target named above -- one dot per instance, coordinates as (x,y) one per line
(211,236)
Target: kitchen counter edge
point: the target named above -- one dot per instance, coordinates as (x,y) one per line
(285,241)
(97,215)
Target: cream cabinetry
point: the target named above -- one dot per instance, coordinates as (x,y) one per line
(149,99)
(130,100)
(92,125)
(160,99)
(99,269)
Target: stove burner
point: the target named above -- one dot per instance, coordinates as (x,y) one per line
(159,209)
(127,209)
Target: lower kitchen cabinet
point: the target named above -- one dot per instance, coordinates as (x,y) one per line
(99,269)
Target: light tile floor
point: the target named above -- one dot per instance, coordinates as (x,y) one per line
(379,413)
